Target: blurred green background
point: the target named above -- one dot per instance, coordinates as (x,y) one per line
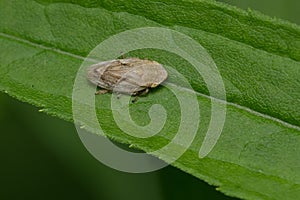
(43,158)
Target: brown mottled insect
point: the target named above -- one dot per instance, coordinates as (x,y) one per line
(131,76)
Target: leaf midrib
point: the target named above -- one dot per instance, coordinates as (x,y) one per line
(240,107)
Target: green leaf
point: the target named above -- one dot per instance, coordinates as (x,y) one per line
(44,42)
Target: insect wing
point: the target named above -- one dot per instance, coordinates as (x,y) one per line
(129,79)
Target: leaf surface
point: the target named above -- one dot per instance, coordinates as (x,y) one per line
(43,44)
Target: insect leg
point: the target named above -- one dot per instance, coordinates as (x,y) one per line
(103,91)
(142,93)
(135,99)
(118,95)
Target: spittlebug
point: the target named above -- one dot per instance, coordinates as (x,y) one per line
(130,76)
